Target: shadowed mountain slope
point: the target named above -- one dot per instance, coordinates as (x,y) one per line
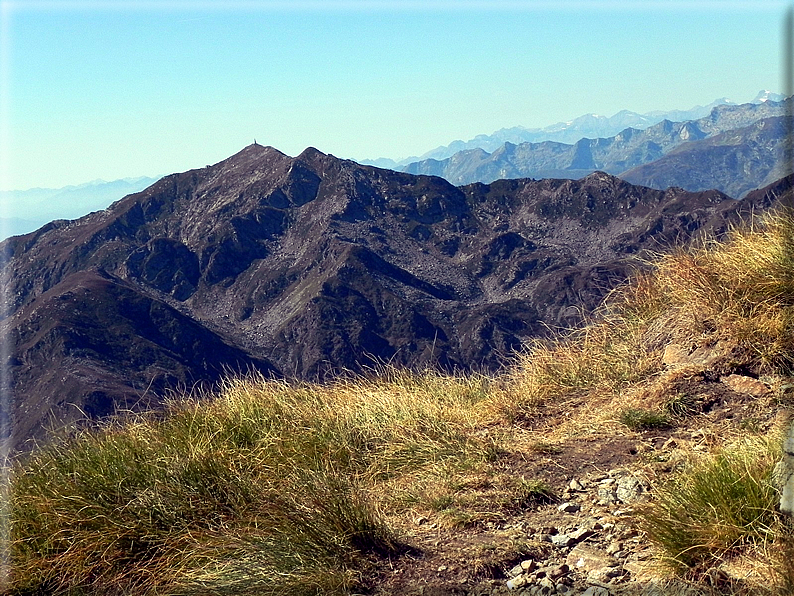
(302,267)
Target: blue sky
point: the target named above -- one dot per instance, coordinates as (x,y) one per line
(115,89)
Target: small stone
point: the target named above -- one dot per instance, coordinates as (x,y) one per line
(581,534)
(527,565)
(746,385)
(442,568)
(614,547)
(562,540)
(595,591)
(569,507)
(575,485)
(628,489)
(517,582)
(606,495)
(515,571)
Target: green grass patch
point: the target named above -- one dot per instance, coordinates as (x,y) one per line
(267,488)
(639,419)
(717,505)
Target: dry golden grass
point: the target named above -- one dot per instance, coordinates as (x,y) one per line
(291,476)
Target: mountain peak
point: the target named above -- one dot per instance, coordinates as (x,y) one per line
(765,95)
(253,151)
(311,153)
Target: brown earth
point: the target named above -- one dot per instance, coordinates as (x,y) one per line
(567,441)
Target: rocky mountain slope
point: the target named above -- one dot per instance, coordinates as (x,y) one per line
(586,126)
(306,266)
(736,161)
(633,148)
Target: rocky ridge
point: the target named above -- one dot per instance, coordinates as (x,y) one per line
(734,149)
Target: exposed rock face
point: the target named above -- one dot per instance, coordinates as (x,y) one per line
(305,266)
(735,161)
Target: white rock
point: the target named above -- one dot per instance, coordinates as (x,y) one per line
(517,582)
(569,507)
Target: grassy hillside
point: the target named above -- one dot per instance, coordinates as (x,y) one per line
(272,487)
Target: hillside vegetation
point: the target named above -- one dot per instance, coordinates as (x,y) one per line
(273,487)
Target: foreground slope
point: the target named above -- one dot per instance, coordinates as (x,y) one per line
(302,267)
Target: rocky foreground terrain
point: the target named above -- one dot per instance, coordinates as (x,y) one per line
(308,266)
(586,538)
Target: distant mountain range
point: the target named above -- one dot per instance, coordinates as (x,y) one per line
(308,266)
(755,130)
(591,126)
(485,158)
(735,162)
(28,210)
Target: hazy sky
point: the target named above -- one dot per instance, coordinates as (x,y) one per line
(114,89)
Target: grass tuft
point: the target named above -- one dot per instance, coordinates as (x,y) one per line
(639,419)
(718,504)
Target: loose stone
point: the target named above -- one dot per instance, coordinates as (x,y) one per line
(517,582)
(562,540)
(569,507)
(628,489)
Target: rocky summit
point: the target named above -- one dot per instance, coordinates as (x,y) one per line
(309,266)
